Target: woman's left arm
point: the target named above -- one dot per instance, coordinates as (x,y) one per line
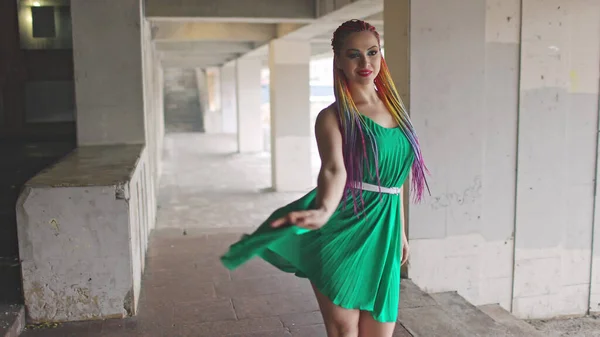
(405,247)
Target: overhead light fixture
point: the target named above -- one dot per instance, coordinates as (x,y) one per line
(36,4)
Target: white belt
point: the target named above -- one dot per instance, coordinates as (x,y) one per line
(374,188)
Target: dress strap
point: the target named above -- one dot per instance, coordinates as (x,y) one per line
(374,188)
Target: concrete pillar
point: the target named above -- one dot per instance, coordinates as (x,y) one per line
(289,63)
(213,117)
(468,138)
(397,20)
(203,100)
(396,16)
(229,98)
(250,135)
(108,71)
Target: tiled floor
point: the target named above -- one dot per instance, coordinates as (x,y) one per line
(205,184)
(187,292)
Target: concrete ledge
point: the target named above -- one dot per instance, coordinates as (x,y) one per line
(83,226)
(91,166)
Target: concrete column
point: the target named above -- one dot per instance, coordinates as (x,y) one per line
(289,63)
(397,20)
(213,118)
(203,99)
(108,71)
(250,135)
(468,138)
(229,98)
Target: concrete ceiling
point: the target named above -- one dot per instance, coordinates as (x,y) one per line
(205,33)
(232,10)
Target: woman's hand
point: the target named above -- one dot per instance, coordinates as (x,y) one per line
(405,251)
(309,219)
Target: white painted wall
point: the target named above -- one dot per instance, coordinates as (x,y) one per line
(506,105)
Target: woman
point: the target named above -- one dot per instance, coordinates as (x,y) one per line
(346,235)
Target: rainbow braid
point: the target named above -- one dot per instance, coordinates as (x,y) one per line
(353,128)
(390,97)
(354,131)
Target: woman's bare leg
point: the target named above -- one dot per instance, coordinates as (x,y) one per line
(339,322)
(369,327)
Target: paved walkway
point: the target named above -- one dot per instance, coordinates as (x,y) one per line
(207,185)
(186,292)
(208,197)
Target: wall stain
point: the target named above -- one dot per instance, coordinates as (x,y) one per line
(56,226)
(467,196)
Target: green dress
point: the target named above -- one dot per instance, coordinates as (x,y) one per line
(354,261)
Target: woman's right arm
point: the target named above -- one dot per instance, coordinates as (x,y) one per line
(332,176)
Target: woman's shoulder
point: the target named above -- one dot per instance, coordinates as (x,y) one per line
(328,114)
(327,118)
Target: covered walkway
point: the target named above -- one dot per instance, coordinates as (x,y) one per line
(209,196)
(504,95)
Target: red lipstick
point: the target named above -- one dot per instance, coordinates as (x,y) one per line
(364,73)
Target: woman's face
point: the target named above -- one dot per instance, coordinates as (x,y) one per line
(360,57)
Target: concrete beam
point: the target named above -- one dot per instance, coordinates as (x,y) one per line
(329,34)
(204,47)
(196,61)
(375,18)
(348,9)
(320,48)
(326,24)
(213,31)
(320,30)
(231,9)
(166,55)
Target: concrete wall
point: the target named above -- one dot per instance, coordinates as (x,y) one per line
(153,107)
(108,85)
(142,220)
(558,125)
(83,226)
(506,104)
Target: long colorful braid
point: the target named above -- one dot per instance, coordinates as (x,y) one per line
(356,135)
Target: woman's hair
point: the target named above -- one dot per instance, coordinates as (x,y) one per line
(356,137)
